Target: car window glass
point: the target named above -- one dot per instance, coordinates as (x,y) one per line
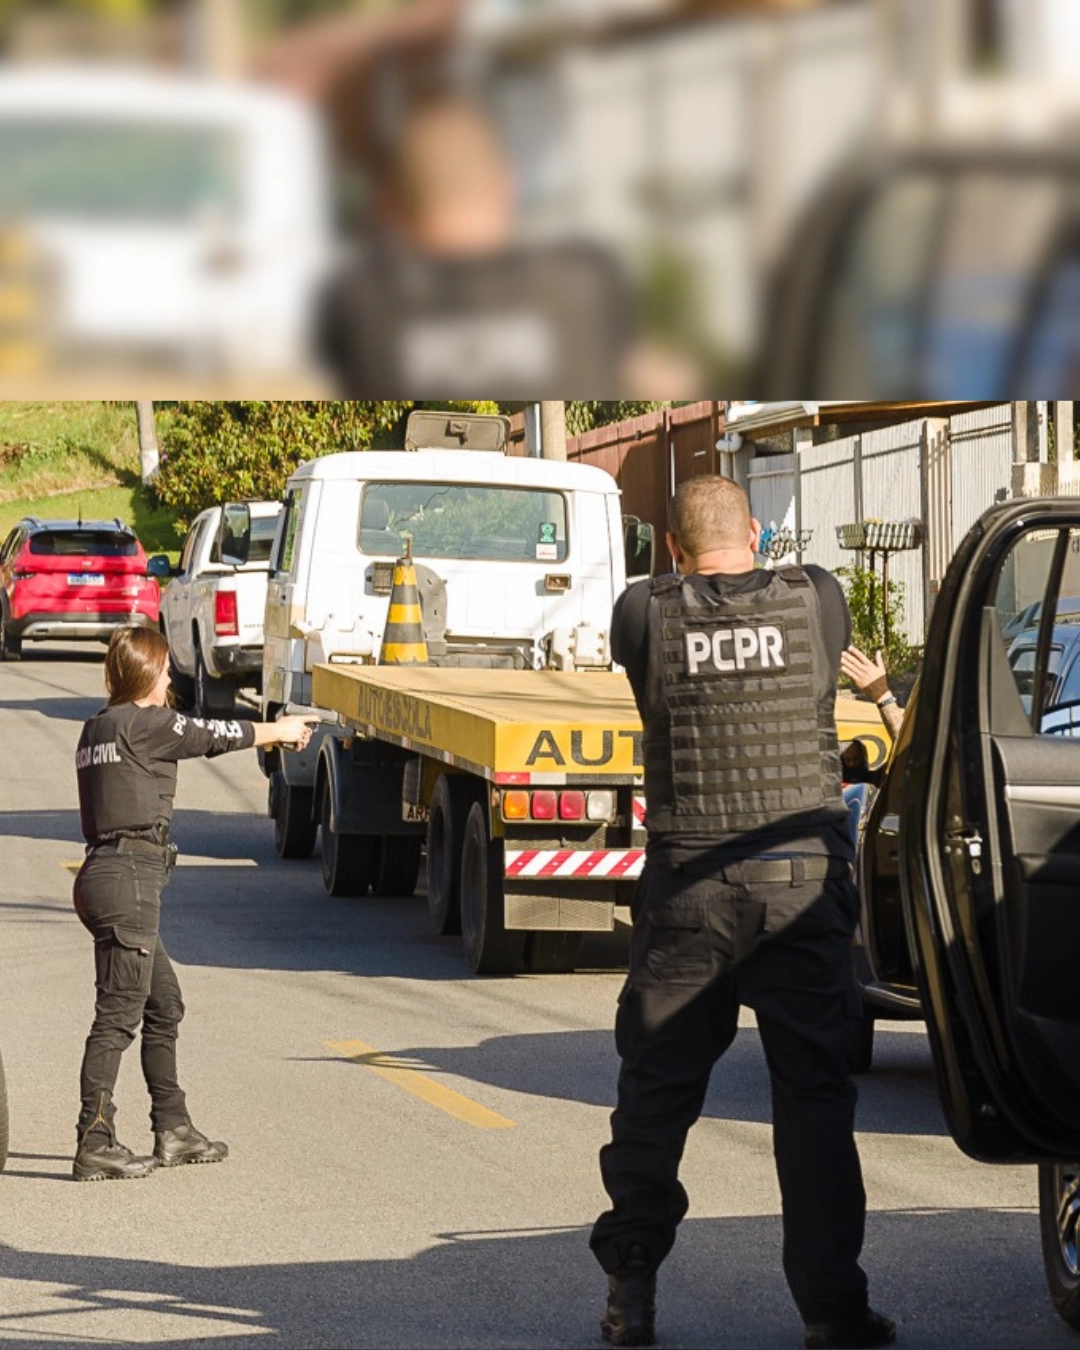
(983,285)
(189,549)
(870,329)
(463,521)
(83,544)
(293,504)
(9,546)
(1041,573)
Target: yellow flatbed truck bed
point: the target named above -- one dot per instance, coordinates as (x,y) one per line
(527,783)
(519,726)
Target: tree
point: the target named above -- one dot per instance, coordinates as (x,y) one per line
(216,452)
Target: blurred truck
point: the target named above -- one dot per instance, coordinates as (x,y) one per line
(152,223)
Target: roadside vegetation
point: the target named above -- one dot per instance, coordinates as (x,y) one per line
(63,459)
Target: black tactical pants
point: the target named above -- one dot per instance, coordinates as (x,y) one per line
(700,948)
(118,898)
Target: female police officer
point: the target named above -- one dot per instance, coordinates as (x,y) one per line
(126,766)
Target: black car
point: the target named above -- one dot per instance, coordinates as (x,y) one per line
(970,865)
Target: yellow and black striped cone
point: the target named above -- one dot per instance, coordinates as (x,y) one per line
(403,638)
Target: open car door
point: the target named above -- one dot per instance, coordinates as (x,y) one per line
(989,858)
(990,841)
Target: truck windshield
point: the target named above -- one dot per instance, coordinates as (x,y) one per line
(463,520)
(117,171)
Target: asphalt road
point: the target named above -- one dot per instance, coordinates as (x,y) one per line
(413,1151)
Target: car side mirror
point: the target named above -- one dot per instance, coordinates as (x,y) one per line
(234,534)
(159,566)
(639,541)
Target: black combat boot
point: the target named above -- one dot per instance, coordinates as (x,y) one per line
(630,1317)
(185,1144)
(867,1330)
(101,1157)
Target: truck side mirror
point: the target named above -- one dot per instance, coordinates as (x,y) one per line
(639,538)
(159,566)
(234,534)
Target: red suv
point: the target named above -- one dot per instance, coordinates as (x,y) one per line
(66,579)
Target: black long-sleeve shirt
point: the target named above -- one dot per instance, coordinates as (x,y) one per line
(126,766)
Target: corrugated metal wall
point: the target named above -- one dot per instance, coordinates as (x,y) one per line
(771,487)
(880,475)
(827,486)
(981,444)
(892,490)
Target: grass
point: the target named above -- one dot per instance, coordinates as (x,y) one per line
(57,459)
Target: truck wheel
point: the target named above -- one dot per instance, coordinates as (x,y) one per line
(861,1030)
(10,645)
(183,687)
(348,860)
(213,698)
(3,1118)
(1059,1223)
(489,948)
(453,796)
(294,829)
(552,953)
(397,864)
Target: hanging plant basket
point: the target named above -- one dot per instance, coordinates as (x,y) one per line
(892,535)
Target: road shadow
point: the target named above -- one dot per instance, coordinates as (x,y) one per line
(721,1287)
(62,709)
(898,1097)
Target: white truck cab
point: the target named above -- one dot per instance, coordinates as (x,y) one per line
(519,562)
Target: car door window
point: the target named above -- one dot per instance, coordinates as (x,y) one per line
(1036,601)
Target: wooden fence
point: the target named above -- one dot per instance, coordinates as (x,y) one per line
(648,455)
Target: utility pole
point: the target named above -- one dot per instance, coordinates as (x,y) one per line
(149,458)
(553,430)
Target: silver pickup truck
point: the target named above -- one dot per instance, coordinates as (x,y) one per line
(212,611)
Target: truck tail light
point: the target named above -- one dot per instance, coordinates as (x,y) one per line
(571,805)
(515,805)
(544,805)
(226,620)
(601,805)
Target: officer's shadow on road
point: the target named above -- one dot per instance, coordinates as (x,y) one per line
(721,1287)
(898,1097)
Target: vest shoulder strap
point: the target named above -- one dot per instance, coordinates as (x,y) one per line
(794,576)
(664,585)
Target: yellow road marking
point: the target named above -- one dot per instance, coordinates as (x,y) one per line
(399,1073)
(72,867)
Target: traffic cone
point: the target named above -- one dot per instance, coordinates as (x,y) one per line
(403,638)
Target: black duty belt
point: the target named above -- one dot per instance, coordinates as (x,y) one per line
(766,871)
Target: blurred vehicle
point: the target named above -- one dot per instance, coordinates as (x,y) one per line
(154,222)
(71,580)
(1061,669)
(212,611)
(919,273)
(971,862)
(1068,611)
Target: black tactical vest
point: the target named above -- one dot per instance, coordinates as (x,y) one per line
(740,729)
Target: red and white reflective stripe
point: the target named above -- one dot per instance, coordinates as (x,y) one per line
(543,862)
(639,810)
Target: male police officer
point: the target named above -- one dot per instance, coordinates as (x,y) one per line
(746,898)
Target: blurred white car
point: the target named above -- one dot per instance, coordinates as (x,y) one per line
(161,221)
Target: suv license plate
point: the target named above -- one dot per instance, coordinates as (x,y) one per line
(86,579)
